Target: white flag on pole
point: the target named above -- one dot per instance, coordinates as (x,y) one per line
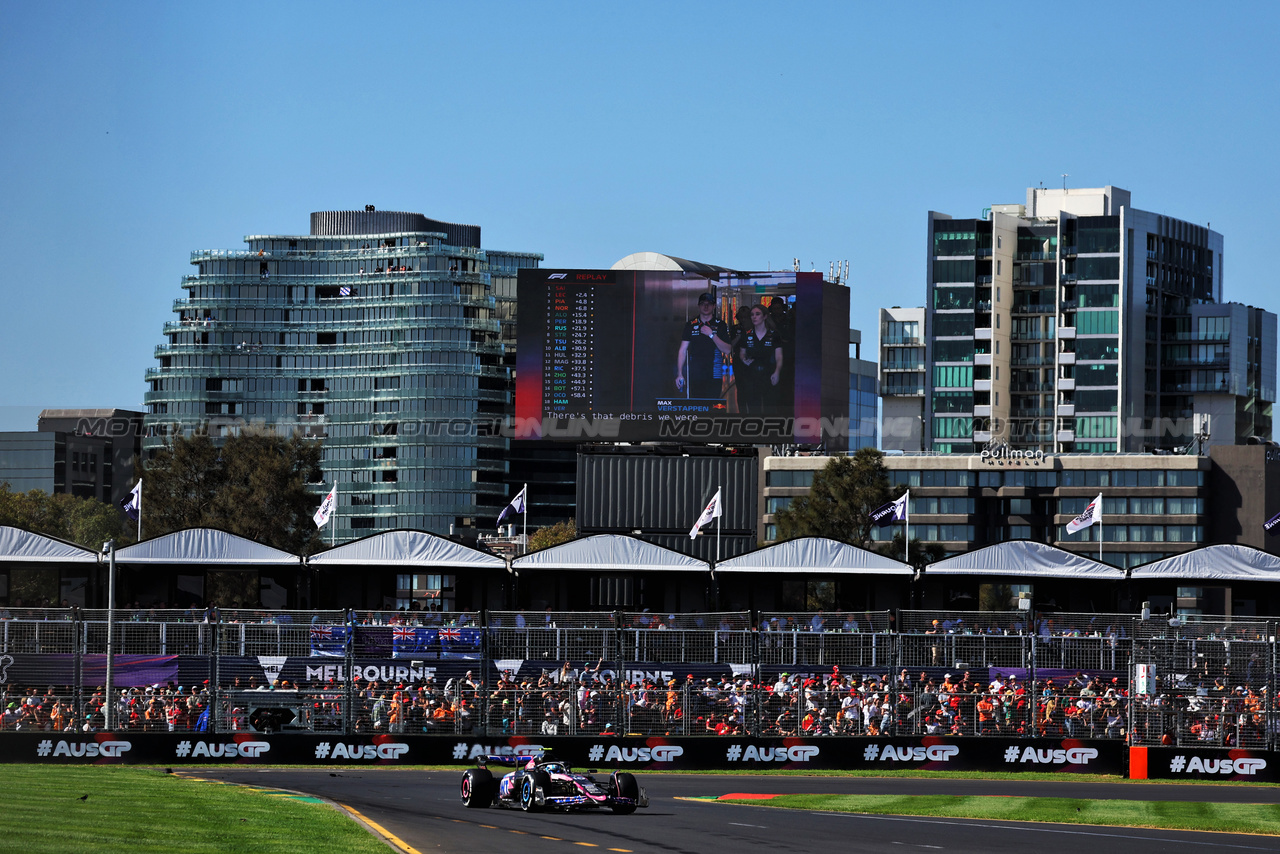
(326,507)
(712,512)
(1091,514)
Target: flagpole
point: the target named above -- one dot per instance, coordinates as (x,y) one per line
(906,543)
(718,525)
(524,522)
(333,517)
(139,509)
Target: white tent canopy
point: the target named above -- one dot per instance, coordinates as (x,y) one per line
(1025,558)
(814,554)
(19,546)
(1215,563)
(205,547)
(610,553)
(407,548)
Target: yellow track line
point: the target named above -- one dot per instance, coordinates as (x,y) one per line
(396,841)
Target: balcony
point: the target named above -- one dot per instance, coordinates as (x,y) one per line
(982,359)
(1035,308)
(1066,383)
(1066,435)
(1066,332)
(982,385)
(1067,410)
(1019,361)
(898,340)
(1066,358)
(981,436)
(982,410)
(982,333)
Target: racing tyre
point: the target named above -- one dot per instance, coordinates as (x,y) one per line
(528,788)
(477,788)
(625,786)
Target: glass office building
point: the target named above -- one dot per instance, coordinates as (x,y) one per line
(387,336)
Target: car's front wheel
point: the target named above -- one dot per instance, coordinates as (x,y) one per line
(625,786)
(529,791)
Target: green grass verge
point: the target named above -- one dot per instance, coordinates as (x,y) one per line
(137,810)
(1169,815)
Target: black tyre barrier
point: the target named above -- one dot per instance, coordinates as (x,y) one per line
(1097,756)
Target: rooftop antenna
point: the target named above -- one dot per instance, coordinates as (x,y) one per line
(1064,181)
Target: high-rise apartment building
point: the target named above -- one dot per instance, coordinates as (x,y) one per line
(385,335)
(902,379)
(1077,323)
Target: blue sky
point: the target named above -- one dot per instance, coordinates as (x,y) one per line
(743,134)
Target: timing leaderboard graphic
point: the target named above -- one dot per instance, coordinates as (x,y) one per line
(620,355)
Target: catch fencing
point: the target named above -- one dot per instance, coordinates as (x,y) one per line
(1160,681)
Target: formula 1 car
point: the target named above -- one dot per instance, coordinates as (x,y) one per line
(543,783)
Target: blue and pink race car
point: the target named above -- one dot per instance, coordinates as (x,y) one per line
(544,783)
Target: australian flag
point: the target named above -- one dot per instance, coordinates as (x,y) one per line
(460,643)
(410,641)
(330,641)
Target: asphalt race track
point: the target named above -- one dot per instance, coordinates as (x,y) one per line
(422,809)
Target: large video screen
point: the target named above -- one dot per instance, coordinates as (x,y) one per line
(618,355)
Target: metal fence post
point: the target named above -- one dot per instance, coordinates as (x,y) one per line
(217,722)
(348,668)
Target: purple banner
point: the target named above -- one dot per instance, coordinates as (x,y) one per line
(131,671)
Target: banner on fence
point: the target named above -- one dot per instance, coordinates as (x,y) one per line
(1194,763)
(657,753)
(60,669)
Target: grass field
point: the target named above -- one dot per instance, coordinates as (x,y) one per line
(1170,815)
(138,810)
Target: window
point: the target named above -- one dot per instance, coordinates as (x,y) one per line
(1104,374)
(1091,349)
(953,298)
(954,271)
(789,478)
(953,401)
(953,351)
(952,428)
(960,324)
(953,376)
(1097,322)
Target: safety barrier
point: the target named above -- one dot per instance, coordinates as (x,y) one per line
(784,674)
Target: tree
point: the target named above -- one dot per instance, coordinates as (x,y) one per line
(255,486)
(841,500)
(86,522)
(921,553)
(560,532)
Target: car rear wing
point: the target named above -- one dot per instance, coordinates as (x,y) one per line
(513,761)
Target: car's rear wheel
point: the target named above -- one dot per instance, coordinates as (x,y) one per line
(625,786)
(477,788)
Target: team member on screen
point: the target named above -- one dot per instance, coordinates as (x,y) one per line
(703,347)
(760,352)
